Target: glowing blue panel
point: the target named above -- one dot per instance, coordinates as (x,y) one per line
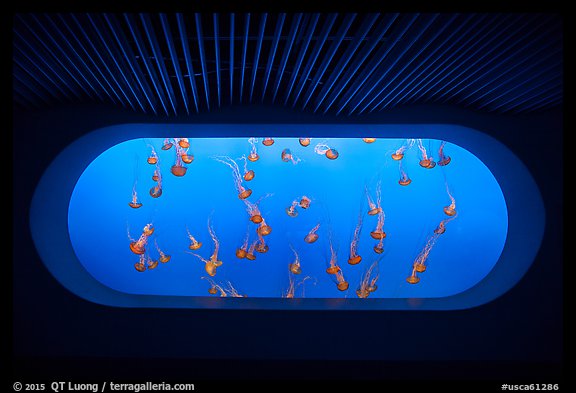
(469,258)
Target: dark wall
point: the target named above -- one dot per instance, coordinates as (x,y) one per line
(517,335)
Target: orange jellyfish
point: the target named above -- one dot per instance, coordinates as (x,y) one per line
(151,264)
(375,208)
(134,203)
(241,251)
(268,141)
(379,233)
(354,258)
(443,159)
(419,264)
(253,209)
(253,156)
(248,174)
(369,140)
(261,246)
(305,202)
(379,248)
(156,191)
(184,143)
(368,281)
(263,228)
(243,193)
(178,169)
(295,267)
(404,179)
(304,141)
(399,153)
(167,145)
(250,253)
(156,175)
(214,288)
(312,236)
(141,264)
(139,246)
(211,264)
(163,257)
(153,157)
(342,284)
(194,244)
(426,161)
(187,158)
(325,150)
(441,228)
(287,156)
(450,210)
(333,267)
(413,278)
(291,210)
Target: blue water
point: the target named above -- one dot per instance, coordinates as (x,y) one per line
(101,223)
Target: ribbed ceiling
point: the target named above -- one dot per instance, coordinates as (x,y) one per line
(177,64)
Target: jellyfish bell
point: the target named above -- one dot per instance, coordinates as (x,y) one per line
(178,170)
(164,258)
(262,248)
(397,156)
(167,145)
(148,230)
(431,165)
(268,142)
(444,161)
(152,160)
(155,177)
(184,143)
(362,293)
(134,205)
(372,288)
(374,211)
(450,211)
(156,191)
(286,155)
(245,193)
(249,175)
(210,269)
(419,267)
(311,238)
(305,202)
(404,182)
(140,266)
(136,248)
(343,285)
(369,140)
(378,235)
(378,248)
(250,256)
(291,211)
(425,162)
(187,158)
(333,269)
(264,230)
(332,154)
(295,268)
(216,262)
(240,253)
(212,290)
(440,229)
(304,141)
(354,260)
(195,245)
(253,157)
(256,218)
(413,279)
(152,264)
